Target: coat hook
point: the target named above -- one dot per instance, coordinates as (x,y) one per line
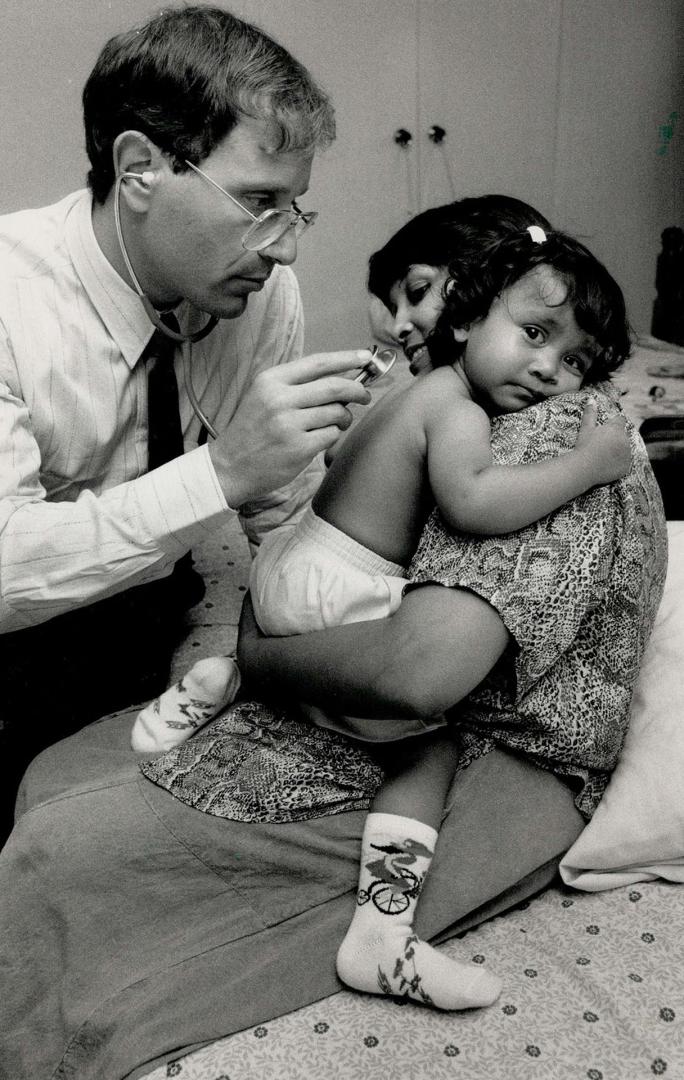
(436,134)
(402,137)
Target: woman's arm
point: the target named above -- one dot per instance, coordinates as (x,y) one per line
(430,654)
(475,495)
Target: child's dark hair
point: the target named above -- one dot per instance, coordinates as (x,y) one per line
(185,79)
(593,294)
(442,234)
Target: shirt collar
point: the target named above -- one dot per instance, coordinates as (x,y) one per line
(117,304)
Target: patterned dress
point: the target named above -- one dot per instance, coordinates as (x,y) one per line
(578,592)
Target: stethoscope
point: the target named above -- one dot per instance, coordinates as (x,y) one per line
(378,365)
(186,341)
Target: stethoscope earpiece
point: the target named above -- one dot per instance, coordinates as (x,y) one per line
(148,178)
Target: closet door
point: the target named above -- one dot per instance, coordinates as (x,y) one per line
(365,185)
(572,105)
(488,78)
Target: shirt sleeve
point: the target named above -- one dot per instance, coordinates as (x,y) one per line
(55,556)
(283,507)
(282,340)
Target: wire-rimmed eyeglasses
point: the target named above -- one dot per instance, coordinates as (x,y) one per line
(266,228)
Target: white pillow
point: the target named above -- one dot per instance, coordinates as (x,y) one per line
(637,831)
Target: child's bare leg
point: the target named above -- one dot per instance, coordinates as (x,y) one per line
(418,774)
(381,953)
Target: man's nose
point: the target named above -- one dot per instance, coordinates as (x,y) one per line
(283,250)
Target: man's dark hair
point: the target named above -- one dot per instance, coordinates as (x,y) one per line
(185,79)
(591,291)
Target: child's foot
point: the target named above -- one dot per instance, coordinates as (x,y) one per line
(180,711)
(399,964)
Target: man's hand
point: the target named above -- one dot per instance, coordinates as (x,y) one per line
(607,446)
(289,414)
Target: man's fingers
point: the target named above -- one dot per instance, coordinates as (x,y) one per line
(324,416)
(320,365)
(328,390)
(281,394)
(321,439)
(314,380)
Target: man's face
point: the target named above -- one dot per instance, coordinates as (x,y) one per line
(189,242)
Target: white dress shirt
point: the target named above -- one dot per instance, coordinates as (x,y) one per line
(80,518)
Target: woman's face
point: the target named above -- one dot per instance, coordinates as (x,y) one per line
(415,304)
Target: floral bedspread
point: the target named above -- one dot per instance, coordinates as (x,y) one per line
(593,990)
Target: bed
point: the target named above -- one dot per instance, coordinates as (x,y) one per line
(592,991)
(591,965)
(142,937)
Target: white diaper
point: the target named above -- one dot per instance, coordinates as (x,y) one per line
(312,576)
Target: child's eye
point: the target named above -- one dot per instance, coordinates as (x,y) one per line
(534,333)
(576,363)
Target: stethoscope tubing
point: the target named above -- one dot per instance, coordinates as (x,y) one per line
(186,358)
(186,341)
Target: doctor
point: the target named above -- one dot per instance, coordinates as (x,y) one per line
(201,133)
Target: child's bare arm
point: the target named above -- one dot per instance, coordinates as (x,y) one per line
(475,495)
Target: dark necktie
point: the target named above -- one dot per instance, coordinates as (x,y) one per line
(165,435)
(165,438)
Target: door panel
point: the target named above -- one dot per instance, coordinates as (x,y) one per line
(488,76)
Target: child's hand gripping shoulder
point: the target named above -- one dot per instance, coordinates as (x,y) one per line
(606,446)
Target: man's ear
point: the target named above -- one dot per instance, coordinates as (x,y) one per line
(461,333)
(140,162)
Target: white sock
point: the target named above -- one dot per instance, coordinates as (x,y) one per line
(180,711)
(381,953)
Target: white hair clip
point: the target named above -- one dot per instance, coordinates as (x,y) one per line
(537,233)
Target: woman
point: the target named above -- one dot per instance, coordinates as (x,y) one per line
(196,926)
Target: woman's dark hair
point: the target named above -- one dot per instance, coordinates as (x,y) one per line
(185,79)
(593,294)
(444,233)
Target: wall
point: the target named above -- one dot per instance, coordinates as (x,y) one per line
(620,77)
(560,102)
